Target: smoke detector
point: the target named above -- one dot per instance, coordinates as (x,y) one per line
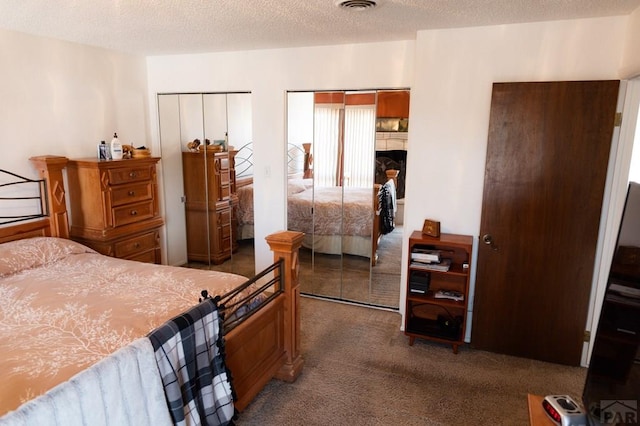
(358,5)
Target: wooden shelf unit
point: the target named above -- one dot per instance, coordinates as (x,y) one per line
(426,315)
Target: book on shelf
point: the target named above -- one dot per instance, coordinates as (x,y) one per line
(442,266)
(449,294)
(425,256)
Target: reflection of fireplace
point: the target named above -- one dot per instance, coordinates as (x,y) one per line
(393,159)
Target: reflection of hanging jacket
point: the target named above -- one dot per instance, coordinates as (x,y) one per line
(385,198)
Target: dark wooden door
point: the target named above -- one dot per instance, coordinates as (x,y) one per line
(547,155)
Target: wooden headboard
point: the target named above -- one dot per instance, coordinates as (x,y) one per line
(56,224)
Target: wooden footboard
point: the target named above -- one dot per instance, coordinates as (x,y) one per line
(267,344)
(255,351)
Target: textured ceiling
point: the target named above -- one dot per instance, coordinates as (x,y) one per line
(151,27)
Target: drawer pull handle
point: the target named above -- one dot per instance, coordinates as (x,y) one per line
(132,193)
(137,245)
(134,212)
(132,174)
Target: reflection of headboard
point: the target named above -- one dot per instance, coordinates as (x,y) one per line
(300,160)
(244,161)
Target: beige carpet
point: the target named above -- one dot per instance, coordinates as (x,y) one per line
(352,278)
(242,261)
(385,276)
(360,370)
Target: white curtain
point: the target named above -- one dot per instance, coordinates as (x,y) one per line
(326,144)
(359,145)
(358,150)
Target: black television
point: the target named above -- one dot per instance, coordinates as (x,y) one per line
(611,394)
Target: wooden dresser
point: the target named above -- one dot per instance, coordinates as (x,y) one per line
(114,207)
(209,188)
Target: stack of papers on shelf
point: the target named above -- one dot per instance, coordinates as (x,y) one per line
(442,266)
(449,294)
(425,256)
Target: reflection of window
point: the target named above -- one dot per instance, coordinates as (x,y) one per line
(326,147)
(359,137)
(354,158)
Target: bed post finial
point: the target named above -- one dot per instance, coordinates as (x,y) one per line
(50,169)
(308,161)
(285,245)
(393,174)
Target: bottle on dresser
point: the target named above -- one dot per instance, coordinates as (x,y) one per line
(116,148)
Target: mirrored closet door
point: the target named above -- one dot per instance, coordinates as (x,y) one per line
(206,172)
(337,200)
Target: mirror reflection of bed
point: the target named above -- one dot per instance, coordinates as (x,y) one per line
(343,192)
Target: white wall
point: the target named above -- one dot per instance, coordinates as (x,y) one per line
(64,98)
(450,104)
(268,74)
(631,59)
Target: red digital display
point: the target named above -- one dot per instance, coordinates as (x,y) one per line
(551,411)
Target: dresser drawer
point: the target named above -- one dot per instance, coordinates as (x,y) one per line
(128,175)
(224,229)
(223,190)
(131,213)
(125,194)
(223,215)
(146,257)
(135,245)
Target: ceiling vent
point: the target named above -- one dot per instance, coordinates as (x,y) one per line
(358,5)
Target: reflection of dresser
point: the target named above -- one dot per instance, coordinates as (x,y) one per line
(114,207)
(209,188)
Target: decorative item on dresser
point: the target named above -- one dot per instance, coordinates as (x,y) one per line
(438,287)
(114,207)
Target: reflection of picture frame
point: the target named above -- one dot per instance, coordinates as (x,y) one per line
(392,125)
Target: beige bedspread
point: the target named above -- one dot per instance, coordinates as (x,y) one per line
(63,307)
(245,205)
(332,217)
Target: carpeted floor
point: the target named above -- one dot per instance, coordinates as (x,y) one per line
(352,278)
(345,277)
(385,276)
(360,370)
(242,261)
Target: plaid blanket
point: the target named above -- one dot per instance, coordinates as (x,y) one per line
(189,351)
(387,209)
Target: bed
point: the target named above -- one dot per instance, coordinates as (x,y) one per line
(82,318)
(244,212)
(369,213)
(344,220)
